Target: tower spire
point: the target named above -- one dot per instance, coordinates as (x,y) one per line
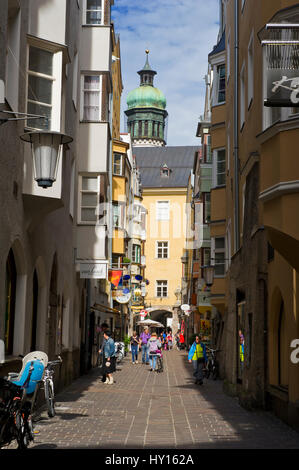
(147,73)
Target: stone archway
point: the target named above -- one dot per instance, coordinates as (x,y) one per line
(53,310)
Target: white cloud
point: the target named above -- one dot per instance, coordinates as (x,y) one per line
(179,34)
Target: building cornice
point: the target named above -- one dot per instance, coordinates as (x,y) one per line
(280,189)
(152,191)
(276,128)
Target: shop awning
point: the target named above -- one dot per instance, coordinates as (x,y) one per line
(104,308)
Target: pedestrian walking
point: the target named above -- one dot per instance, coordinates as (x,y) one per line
(104,327)
(144,337)
(198,357)
(109,357)
(169,341)
(153,346)
(135,343)
(182,341)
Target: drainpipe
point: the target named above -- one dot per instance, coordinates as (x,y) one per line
(236,128)
(110,193)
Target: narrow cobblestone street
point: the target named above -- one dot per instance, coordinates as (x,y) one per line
(146,409)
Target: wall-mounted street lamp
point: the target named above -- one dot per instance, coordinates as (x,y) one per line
(45,153)
(45,148)
(208,274)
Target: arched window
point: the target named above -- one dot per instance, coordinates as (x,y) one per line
(283,350)
(10,294)
(34,311)
(139,128)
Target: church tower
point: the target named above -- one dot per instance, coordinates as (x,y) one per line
(146,113)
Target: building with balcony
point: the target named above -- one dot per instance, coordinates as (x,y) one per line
(56,63)
(254,201)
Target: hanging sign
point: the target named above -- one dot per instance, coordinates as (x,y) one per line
(282,88)
(93,271)
(115,277)
(123,298)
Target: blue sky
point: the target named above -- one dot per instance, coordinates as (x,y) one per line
(179,34)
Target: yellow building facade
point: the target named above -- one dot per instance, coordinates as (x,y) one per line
(164,176)
(257,206)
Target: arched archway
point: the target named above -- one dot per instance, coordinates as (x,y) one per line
(161,316)
(279,344)
(53,309)
(15,291)
(10,295)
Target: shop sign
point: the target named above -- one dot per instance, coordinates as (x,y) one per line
(282,88)
(123,298)
(93,270)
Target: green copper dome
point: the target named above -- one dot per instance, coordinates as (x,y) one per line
(146,96)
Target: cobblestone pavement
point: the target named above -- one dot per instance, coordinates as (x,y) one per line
(146,409)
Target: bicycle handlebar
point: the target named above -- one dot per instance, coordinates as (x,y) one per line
(55,363)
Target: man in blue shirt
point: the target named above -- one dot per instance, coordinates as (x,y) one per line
(198,357)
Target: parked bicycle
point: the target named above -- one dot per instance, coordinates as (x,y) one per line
(212,366)
(119,351)
(17,398)
(49,386)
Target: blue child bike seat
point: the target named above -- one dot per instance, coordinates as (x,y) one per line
(33,372)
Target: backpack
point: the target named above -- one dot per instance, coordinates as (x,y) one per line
(153,346)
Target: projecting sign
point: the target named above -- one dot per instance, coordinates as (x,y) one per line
(93,270)
(123,298)
(282,88)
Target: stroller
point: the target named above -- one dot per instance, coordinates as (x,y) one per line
(159,355)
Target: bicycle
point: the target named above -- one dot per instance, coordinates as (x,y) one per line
(17,399)
(212,367)
(119,352)
(49,386)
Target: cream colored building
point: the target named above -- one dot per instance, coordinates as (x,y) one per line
(56,62)
(164,176)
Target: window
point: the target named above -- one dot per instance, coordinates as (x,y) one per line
(146,128)
(221,83)
(89,198)
(207,208)
(118,215)
(242,96)
(219,256)
(75,79)
(93,12)
(117,164)
(40,87)
(91,99)
(162,210)
(162,250)
(250,71)
(161,288)
(228,58)
(136,254)
(219,167)
(208,150)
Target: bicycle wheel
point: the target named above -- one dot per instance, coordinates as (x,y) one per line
(21,434)
(215,372)
(49,395)
(119,357)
